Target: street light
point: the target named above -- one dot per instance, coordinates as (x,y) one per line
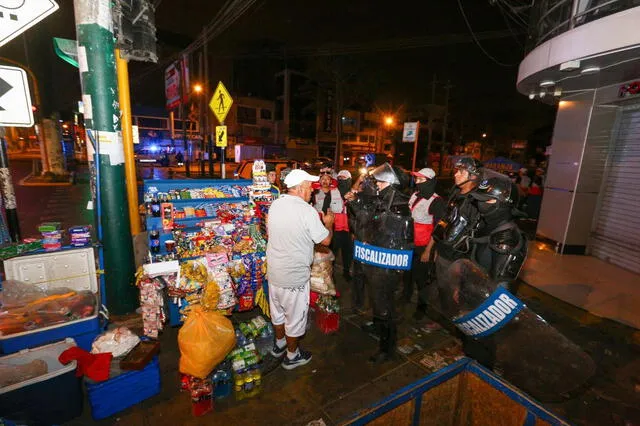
(484,135)
(388,120)
(197,88)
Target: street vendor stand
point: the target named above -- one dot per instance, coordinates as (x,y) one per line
(205,220)
(206,261)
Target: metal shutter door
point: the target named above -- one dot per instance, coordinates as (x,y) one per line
(616,238)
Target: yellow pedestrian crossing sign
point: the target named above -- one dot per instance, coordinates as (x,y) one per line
(221,136)
(220,103)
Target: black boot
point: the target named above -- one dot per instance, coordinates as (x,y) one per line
(420,313)
(387,330)
(372,328)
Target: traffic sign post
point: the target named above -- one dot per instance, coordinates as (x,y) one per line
(221,136)
(15,100)
(410,133)
(220,104)
(17,16)
(15,111)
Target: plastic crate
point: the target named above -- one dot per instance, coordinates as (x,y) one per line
(53,398)
(327,322)
(123,391)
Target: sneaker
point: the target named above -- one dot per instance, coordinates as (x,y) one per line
(277,351)
(302,358)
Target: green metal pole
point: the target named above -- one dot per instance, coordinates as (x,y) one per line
(97,65)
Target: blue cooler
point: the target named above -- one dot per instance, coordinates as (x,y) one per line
(123,391)
(74,269)
(53,398)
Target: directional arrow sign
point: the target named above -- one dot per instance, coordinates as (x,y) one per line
(17,16)
(15,100)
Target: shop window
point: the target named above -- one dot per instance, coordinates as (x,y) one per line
(266,114)
(246,115)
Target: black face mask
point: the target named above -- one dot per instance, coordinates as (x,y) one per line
(344,186)
(494,214)
(426,189)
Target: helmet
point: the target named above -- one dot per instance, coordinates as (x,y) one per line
(471,165)
(385,173)
(497,186)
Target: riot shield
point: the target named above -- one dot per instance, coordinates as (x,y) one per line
(523,347)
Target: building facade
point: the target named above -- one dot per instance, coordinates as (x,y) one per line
(585,57)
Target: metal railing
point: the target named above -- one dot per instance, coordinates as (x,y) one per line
(550,18)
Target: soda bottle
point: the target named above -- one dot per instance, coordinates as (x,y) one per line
(225,385)
(238,387)
(248,382)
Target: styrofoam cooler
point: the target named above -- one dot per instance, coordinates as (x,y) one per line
(75,269)
(52,398)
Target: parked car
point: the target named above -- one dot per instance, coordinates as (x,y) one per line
(245,168)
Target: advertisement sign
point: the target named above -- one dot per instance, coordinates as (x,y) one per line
(172,86)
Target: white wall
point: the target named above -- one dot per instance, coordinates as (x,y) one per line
(567,147)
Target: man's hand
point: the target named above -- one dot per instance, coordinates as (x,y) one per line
(350,196)
(328,218)
(424,258)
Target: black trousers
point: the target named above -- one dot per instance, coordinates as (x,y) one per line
(382,285)
(419,274)
(358,285)
(342,242)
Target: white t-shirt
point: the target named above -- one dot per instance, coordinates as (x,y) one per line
(294,227)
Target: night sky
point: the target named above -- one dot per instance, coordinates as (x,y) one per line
(278,33)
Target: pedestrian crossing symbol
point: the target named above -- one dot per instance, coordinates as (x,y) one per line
(220,103)
(221,136)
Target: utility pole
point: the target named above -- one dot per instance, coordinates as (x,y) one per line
(447,88)
(122,68)
(183,115)
(97,68)
(206,97)
(201,115)
(286,111)
(430,111)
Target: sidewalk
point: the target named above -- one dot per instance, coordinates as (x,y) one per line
(602,289)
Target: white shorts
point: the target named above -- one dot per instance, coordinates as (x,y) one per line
(290,306)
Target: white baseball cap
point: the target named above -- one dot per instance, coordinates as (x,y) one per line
(344,174)
(297,176)
(425,173)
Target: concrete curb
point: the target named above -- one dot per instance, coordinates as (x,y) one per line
(24,182)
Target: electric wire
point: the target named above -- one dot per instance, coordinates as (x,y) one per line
(475,39)
(226,16)
(506,22)
(513,13)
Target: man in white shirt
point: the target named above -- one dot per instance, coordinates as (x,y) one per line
(294,227)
